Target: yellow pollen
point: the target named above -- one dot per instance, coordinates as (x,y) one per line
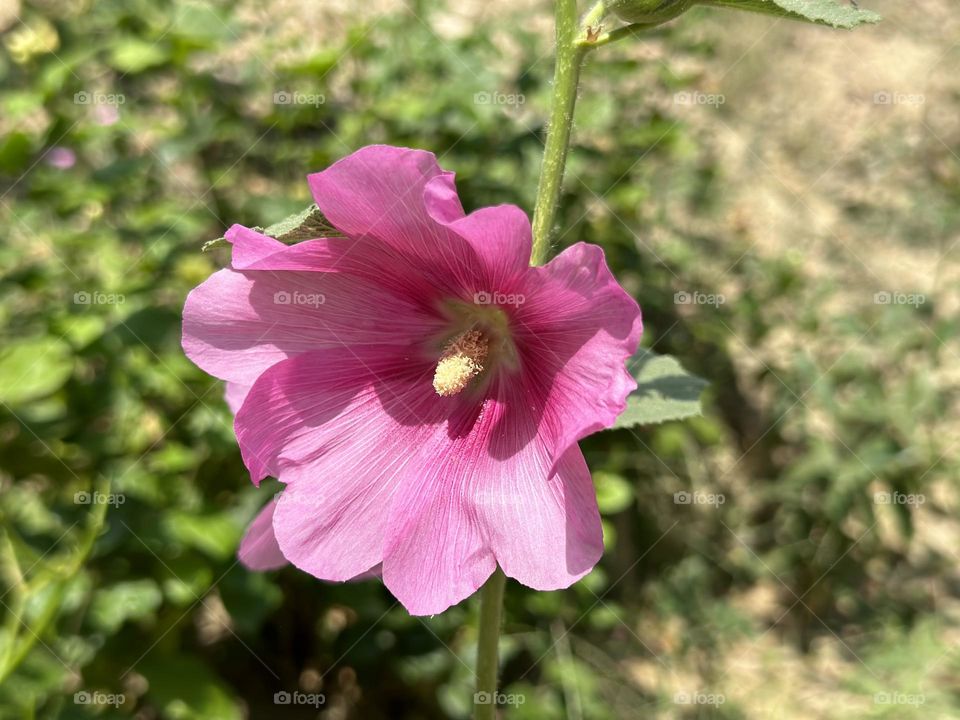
(461,361)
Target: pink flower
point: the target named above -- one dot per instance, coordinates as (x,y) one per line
(417,386)
(61,158)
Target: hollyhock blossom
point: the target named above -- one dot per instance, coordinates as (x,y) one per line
(61,158)
(417,386)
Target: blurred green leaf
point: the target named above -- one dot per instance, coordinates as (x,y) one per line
(134,56)
(184,688)
(215,535)
(132,600)
(33,368)
(614,493)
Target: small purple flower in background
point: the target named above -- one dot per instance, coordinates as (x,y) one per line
(417,386)
(106,115)
(61,158)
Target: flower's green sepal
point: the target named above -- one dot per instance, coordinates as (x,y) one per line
(648,12)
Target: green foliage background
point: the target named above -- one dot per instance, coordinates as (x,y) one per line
(799,596)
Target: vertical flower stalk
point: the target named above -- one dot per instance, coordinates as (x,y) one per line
(491,614)
(566,79)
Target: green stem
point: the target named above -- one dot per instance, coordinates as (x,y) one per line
(491,610)
(566,77)
(618,34)
(594,15)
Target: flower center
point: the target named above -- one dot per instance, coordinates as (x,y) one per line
(462,360)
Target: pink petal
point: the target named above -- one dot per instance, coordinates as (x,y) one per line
(379,191)
(363,258)
(237,324)
(575,331)
(405,200)
(339,426)
(437,554)
(502,240)
(546,533)
(235,394)
(251,247)
(484,494)
(259,549)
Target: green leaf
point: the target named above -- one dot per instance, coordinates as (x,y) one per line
(648,12)
(124,601)
(665,391)
(134,56)
(186,689)
(33,368)
(614,493)
(835,13)
(308,224)
(214,535)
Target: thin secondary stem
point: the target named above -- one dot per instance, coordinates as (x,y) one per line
(566,77)
(491,611)
(622,32)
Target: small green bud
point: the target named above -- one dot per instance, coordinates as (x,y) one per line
(649,12)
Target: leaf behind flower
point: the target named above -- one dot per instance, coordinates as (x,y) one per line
(308,224)
(665,391)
